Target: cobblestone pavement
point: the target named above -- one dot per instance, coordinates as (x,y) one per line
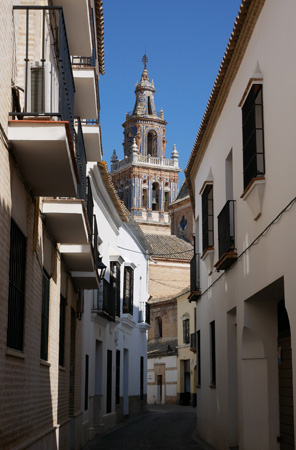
(162,427)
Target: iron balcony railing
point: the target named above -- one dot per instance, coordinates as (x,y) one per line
(89,206)
(47,88)
(95,241)
(89,61)
(85,61)
(226,229)
(195,273)
(105,301)
(144,313)
(193,341)
(81,161)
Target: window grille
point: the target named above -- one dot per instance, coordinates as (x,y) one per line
(44,317)
(16,295)
(128,290)
(253,135)
(62,330)
(207,217)
(186,334)
(213,353)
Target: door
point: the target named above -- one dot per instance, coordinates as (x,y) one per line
(159,390)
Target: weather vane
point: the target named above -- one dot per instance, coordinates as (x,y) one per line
(145,60)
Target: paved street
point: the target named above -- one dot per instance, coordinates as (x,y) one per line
(163,427)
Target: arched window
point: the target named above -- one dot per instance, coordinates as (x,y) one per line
(152,143)
(155,197)
(158,327)
(166,201)
(144,198)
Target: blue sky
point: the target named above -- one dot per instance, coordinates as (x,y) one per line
(185,42)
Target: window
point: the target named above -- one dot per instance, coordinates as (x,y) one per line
(149,106)
(144,198)
(207,217)
(86,382)
(155,197)
(109,382)
(16,295)
(253,138)
(198,351)
(186,334)
(152,143)
(117,383)
(115,283)
(44,317)
(62,331)
(158,327)
(141,378)
(213,353)
(128,290)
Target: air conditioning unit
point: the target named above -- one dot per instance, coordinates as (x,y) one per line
(43,88)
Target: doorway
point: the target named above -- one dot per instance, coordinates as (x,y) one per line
(286,438)
(159,390)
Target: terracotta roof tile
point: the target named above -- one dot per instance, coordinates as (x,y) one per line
(169,247)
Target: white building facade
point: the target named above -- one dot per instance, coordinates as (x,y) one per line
(242,183)
(115,318)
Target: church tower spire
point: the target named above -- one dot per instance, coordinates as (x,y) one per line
(145,180)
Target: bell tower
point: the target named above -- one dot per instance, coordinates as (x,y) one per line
(145,180)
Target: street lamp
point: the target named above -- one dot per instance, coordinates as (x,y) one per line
(101,268)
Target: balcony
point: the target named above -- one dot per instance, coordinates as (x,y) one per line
(195,291)
(41,129)
(226,237)
(144,315)
(86,92)
(193,342)
(105,302)
(92,139)
(78,17)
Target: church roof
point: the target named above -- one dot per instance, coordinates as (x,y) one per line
(169,247)
(183,193)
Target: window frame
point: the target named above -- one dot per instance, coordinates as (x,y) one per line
(186,330)
(16,293)
(253,135)
(128,290)
(62,330)
(207,201)
(213,353)
(45,316)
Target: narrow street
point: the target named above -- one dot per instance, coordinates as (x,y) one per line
(162,427)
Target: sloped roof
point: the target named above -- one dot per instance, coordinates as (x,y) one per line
(167,346)
(103,168)
(239,39)
(137,232)
(169,247)
(100,35)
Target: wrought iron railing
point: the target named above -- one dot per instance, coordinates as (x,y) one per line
(144,313)
(105,301)
(48,85)
(90,207)
(81,161)
(95,241)
(226,229)
(195,273)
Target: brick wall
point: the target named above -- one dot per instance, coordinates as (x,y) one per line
(168,279)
